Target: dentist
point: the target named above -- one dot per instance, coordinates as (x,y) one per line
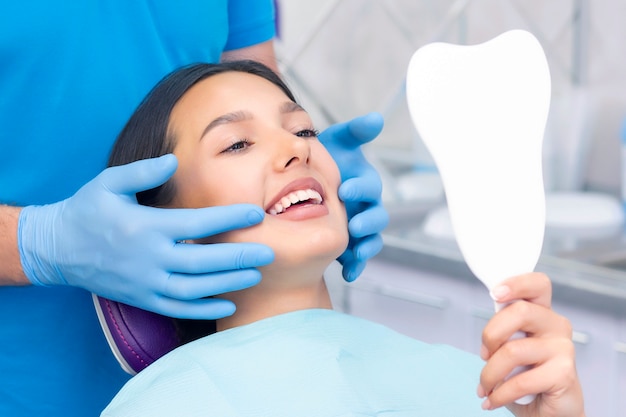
(72,74)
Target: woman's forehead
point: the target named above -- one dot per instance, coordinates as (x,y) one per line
(233,91)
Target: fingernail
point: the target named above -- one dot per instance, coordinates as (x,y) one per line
(500,292)
(486,405)
(484,353)
(480,391)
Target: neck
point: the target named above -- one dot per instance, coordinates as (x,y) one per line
(276,295)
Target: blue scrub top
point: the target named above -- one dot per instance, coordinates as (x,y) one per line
(317,363)
(71,73)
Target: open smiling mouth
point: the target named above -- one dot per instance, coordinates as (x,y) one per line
(300,197)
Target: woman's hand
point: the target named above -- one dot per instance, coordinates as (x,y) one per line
(548,350)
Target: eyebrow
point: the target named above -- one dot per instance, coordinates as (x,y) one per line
(241,115)
(234,117)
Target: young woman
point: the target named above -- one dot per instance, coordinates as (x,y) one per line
(240,137)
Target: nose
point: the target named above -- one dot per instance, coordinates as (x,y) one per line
(292,150)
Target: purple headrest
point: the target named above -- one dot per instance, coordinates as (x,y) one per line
(138,337)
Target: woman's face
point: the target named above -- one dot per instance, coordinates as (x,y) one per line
(240,139)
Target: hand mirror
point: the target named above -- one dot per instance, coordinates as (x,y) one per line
(481,111)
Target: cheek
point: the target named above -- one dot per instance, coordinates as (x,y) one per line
(326,164)
(250,234)
(215,184)
(342,226)
(196,192)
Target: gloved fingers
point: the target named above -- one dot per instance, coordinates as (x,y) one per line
(368,221)
(199,309)
(192,287)
(364,187)
(367,247)
(139,175)
(216,257)
(365,128)
(180,224)
(355,257)
(351,267)
(356,132)
(352,270)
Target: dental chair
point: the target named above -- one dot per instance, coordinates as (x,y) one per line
(138,337)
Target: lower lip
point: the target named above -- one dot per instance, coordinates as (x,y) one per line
(303,212)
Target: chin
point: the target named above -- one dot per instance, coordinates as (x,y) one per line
(321,248)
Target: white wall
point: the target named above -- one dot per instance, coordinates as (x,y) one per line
(348,57)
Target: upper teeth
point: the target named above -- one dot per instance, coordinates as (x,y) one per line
(295,197)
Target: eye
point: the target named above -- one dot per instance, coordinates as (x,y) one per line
(308,133)
(238,146)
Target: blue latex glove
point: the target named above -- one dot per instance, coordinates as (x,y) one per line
(101,240)
(361,190)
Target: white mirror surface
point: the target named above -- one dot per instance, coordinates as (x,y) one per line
(481,110)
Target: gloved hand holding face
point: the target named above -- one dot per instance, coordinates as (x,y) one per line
(106,243)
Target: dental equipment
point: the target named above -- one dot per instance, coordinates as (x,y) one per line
(481,110)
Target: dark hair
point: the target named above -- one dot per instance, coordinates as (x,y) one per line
(146,134)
